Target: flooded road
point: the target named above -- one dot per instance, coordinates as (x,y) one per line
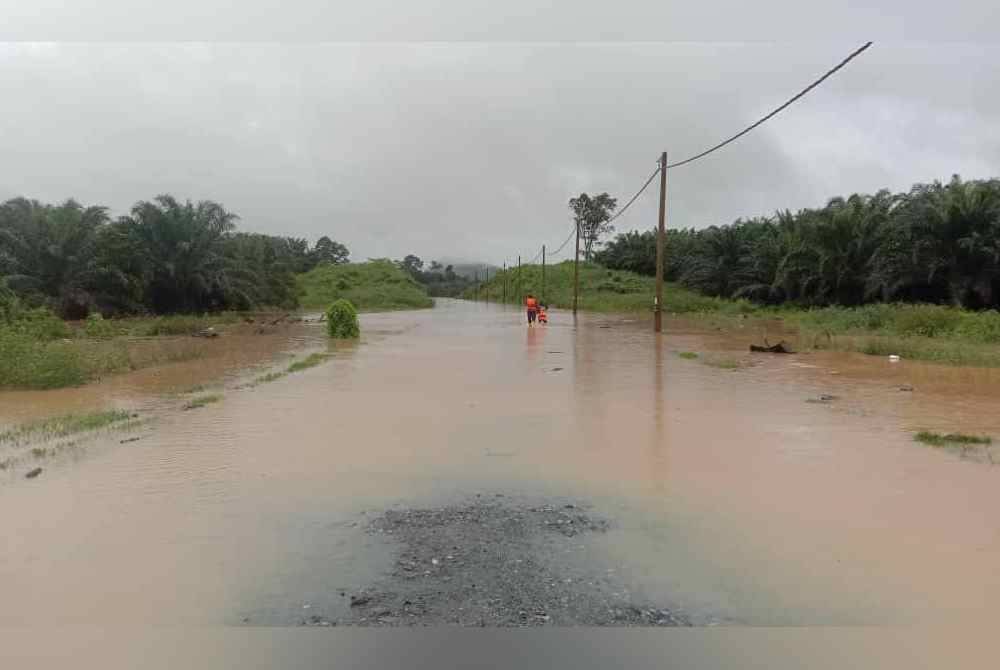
(728,496)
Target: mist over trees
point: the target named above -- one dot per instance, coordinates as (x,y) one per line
(937,243)
(165,256)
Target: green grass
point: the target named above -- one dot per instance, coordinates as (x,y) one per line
(310,361)
(917,332)
(898,320)
(689,355)
(934,333)
(377,285)
(725,362)
(62,426)
(202,400)
(939,440)
(603,290)
(39,351)
(269,377)
(154,326)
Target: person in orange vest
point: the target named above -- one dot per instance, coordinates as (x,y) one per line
(543,315)
(531,303)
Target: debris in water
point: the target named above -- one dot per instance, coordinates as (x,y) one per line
(129,439)
(33,473)
(778,348)
(893,358)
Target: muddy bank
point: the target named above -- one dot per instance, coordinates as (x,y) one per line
(496,561)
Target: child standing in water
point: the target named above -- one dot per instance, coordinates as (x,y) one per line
(532,306)
(543,315)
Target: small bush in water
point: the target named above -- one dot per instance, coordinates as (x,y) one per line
(342,320)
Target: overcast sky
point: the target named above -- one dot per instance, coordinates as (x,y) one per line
(471,150)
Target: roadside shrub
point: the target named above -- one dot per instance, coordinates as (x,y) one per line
(925,320)
(97,326)
(9,305)
(26,362)
(980,327)
(40,324)
(342,320)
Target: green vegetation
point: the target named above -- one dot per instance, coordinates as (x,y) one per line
(202,400)
(443,280)
(602,290)
(31,363)
(377,285)
(689,355)
(40,351)
(937,333)
(310,361)
(165,257)
(269,377)
(61,426)
(951,439)
(342,320)
(935,243)
(726,362)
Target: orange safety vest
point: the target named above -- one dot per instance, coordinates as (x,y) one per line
(532,304)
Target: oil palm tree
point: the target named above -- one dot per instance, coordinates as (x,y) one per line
(51,251)
(956,235)
(183,254)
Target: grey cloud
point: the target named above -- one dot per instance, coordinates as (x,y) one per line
(472,150)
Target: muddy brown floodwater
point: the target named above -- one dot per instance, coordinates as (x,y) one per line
(700,494)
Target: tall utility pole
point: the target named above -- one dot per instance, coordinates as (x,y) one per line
(661,234)
(541,297)
(520,297)
(576,270)
(505,281)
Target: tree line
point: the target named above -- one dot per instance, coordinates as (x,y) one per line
(438,279)
(165,256)
(936,243)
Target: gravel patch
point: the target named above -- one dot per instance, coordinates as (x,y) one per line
(494,562)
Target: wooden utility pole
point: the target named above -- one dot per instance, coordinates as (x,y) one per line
(520,297)
(576,270)
(661,234)
(541,297)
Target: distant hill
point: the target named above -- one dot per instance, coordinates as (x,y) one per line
(466,269)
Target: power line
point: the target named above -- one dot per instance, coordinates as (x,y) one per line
(638,193)
(718,146)
(789,102)
(565,242)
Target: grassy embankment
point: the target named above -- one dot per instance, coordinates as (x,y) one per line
(40,351)
(374,286)
(922,332)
